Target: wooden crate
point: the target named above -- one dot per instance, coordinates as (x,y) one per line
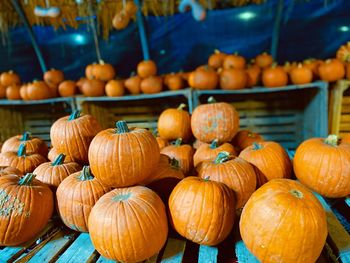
(138,110)
(288,115)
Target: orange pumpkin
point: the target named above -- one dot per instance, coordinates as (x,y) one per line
(133,84)
(331,70)
(121,20)
(174,81)
(324,166)
(130,8)
(245,138)
(216,60)
(2,91)
(234,61)
(343,53)
(115,88)
(147,68)
(263,60)
(80,83)
(13,92)
(162,142)
(313,65)
(9,78)
(53,154)
(203,79)
(197,143)
(93,88)
(301,75)
(274,76)
(53,77)
(254,75)
(151,85)
(289,66)
(233,79)
(67,88)
(103,71)
(23,92)
(8,170)
(38,90)
(88,71)
(346,138)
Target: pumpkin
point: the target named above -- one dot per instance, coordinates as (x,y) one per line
(312,64)
(2,91)
(301,75)
(93,88)
(215,120)
(253,75)
(175,123)
(147,68)
(324,166)
(281,215)
(23,92)
(234,61)
(53,173)
(53,153)
(233,79)
(25,163)
(8,170)
(33,144)
(67,88)
(133,84)
(208,152)
(162,142)
(183,153)
(192,200)
(151,85)
(38,90)
(346,138)
(245,138)
(76,195)
(130,8)
(174,81)
(80,83)
(197,143)
(234,172)
(274,76)
(263,60)
(88,71)
(203,79)
(216,60)
(287,67)
(103,71)
(9,78)
(331,70)
(13,92)
(343,53)
(121,20)
(115,88)
(73,134)
(53,77)
(270,159)
(26,206)
(121,157)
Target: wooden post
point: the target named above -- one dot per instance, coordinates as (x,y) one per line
(35,45)
(276,29)
(142,31)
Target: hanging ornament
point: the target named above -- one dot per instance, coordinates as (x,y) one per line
(198,11)
(48,11)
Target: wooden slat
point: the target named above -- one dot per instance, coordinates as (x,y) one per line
(345,118)
(269,120)
(174,251)
(207,254)
(346,100)
(347,201)
(243,254)
(152,259)
(280,137)
(102,259)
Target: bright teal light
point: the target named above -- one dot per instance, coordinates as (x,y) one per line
(79,39)
(246,15)
(344,28)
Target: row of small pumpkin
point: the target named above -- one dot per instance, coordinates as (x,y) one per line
(202,210)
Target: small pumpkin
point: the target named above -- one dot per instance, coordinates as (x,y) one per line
(38,90)
(53,173)
(331,70)
(53,77)
(122,157)
(93,88)
(233,78)
(151,85)
(147,68)
(287,67)
(234,61)
(26,207)
(89,72)
(2,91)
(215,120)
(76,195)
(115,88)
(23,92)
(174,82)
(301,75)
(216,60)
(203,79)
(53,154)
(121,20)
(133,84)
(67,88)
(313,65)
(274,76)
(192,201)
(8,170)
(130,8)
(181,152)
(80,83)
(294,216)
(253,75)
(263,60)
(13,92)
(324,166)
(103,71)
(343,53)
(175,123)
(9,78)
(73,134)
(245,138)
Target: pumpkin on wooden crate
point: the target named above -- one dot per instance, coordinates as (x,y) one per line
(263,60)
(234,61)
(115,88)
(38,90)
(53,154)
(80,83)
(25,162)
(147,68)
(33,144)
(284,222)
(175,123)
(215,120)
(270,160)
(313,65)
(331,70)
(232,79)
(9,78)
(274,76)
(245,138)
(288,66)
(174,81)
(324,166)
(23,91)
(204,78)
(301,75)
(26,206)
(53,78)
(93,88)
(208,152)
(67,88)
(216,60)
(343,52)
(88,71)
(53,173)
(121,157)
(72,135)
(8,170)
(133,84)
(142,211)
(13,92)
(151,85)
(253,75)
(196,216)
(76,195)
(102,71)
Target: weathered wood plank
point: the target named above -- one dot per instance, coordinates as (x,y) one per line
(207,254)
(174,251)
(102,259)
(243,254)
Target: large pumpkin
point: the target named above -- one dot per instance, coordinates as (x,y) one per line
(26,206)
(215,120)
(121,157)
(324,166)
(270,159)
(53,173)
(76,196)
(331,70)
(245,138)
(72,135)
(202,211)
(33,144)
(128,216)
(175,123)
(284,222)
(8,170)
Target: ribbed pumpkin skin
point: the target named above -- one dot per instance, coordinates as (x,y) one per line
(125,159)
(53,153)
(236,173)
(196,216)
(7,170)
(33,145)
(32,208)
(76,198)
(73,137)
(183,153)
(25,164)
(271,161)
(215,121)
(245,138)
(277,226)
(323,168)
(123,221)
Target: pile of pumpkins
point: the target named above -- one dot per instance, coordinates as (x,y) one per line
(126,186)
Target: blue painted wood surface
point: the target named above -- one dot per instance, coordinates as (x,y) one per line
(174,251)
(207,254)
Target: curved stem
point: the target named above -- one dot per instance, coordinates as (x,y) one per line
(178,142)
(211,100)
(25,137)
(297,193)
(181,106)
(174,163)
(222,157)
(257,146)
(85,174)
(332,140)
(21,150)
(214,144)
(59,159)
(27,179)
(75,115)
(122,127)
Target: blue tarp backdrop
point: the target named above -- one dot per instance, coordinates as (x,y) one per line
(308,29)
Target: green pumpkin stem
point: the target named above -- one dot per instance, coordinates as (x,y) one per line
(85,174)
(211,100)
(21,150)
(174,163)
(257,146)
(25,137)
(75,115)
(59,159)
(332,140)
(27,179)
(222,157)
(178,142)
(182,106)
(206,179)
(297,193)
(122,127)
(214,144)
